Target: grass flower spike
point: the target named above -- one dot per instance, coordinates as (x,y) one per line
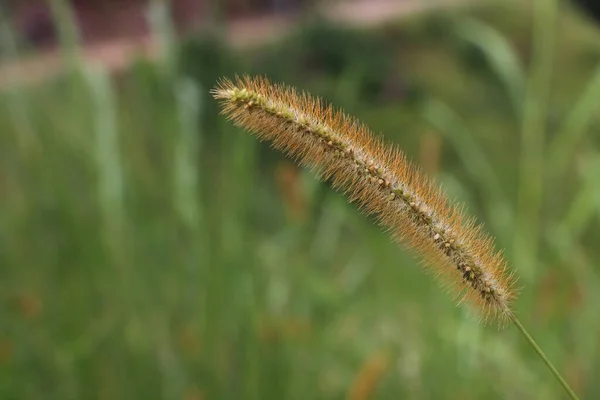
(379,178)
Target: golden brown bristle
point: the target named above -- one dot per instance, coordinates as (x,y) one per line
(379,178)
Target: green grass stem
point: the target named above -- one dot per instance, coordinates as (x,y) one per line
(539,351)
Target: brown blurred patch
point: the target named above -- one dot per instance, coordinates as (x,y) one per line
(284,328)
(576,298)
(266,331)
(547,300)
(430,150)
(288,180)
(193,393)
(463,396)
(28,304)
(5,184)
(6,351)
(296,328)
(574,375)
(368,377)
(189,341)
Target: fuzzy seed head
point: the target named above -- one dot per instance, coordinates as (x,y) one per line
(379,178)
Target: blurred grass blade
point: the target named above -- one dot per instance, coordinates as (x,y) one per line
(161,26)
(500,55)
(187,147)
(574,128)
(533,138)
(571,254)
(451,126)
(68,31)
(586,202)
(110,174)
(17,101)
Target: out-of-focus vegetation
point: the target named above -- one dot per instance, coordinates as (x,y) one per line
(148,249)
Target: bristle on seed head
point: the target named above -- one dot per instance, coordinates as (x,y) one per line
(379,178)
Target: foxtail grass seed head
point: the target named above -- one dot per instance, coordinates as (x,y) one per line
(379,178)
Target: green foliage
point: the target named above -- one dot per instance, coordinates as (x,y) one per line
(332,51)
(139,261)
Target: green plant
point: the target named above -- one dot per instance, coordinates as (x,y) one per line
(383,183)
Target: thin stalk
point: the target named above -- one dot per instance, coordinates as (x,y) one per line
(538,350)
(161,24)
(533,138)
(574,128)
(17,100)
(68,30)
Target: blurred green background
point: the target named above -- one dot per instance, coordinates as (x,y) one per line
(149,249)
